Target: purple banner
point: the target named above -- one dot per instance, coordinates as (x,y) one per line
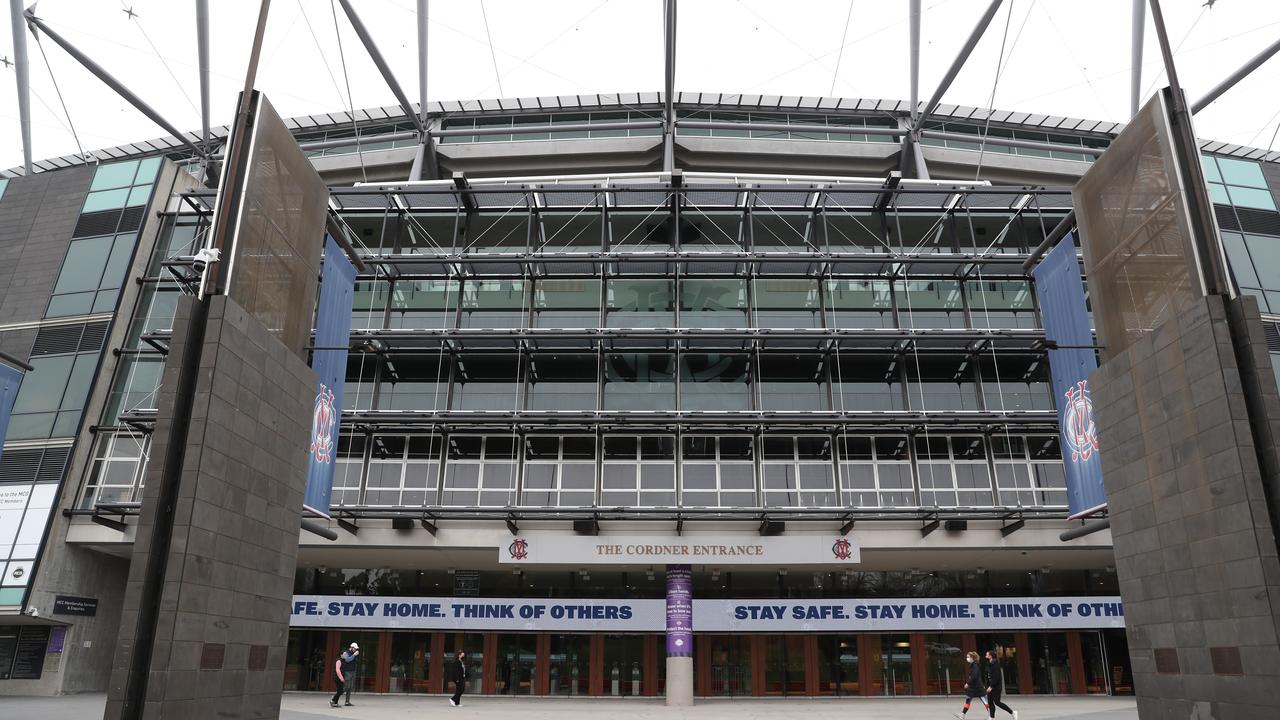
(57,638)
(679,611)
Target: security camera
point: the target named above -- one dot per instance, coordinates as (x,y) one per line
(33,611)
(204,257)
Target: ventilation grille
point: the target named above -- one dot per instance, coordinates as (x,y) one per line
(97,223)
(20,465)
(61,339)
(1266,222)
(131,218)
(1226,217)
(53,464)
(1271,332)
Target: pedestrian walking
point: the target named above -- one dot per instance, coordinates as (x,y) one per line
(343,667)
(995,686)
(973,685)
(457,672)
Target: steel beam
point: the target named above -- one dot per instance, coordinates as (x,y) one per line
(669,87)
(960,60)
(1135,57)
(914,59)
(1166,52)
(383,68)
(1058,232)
(98,71)
(425,164)
(1236,77)
(202,50)
(23,66)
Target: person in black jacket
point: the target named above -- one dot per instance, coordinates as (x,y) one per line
(456,670)
(973,685)
(995,686)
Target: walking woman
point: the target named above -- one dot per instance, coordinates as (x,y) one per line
(995,686)
(973,685)
(457,672)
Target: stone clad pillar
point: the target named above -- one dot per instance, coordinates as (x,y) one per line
(679,635)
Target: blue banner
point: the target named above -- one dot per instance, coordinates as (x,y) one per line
(1066,323)
(329,360)
(10,380)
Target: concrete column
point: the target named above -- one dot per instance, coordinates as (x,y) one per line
(679,635)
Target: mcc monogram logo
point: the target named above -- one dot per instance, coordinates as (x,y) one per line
(518,549)
(842,549)
(1078,427)
(323,418)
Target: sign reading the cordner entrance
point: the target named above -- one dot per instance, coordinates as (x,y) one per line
(533,549)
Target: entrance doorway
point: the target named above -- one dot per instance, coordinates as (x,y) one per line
(623,664)
(730,664)
(891,666)
(838,665)
(517,658)
(784,665)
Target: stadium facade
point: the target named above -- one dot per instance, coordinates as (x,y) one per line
(564,359)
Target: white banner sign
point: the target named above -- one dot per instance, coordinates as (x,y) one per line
(558,549)
(14,497)
(453,613)
(844,615)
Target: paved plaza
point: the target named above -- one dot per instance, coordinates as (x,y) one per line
(307,706)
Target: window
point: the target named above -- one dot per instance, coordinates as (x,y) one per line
(562,382)
(1237,182)
(122,184)
(930,303)
(499,232)
(117,471)
(793,382)
(481,471)
(91,275)
(718,471)
(493,303)
(876,471)
(368,303)
(559,471)
(403,470)
(413,381)
(52,396)
(578,231)
(782,231)
(1015,382)
(791,303)
(487,382)
(640,304)
(348,466)
(703,230)
(1002,304)
(1255,264)
(940,382)
(1029,470)
(639,471)
(953,471)
(867,382)
(719,303)
(567,303)
(714,381)
(859,304)
(424,304)
(636,381)
(797,472)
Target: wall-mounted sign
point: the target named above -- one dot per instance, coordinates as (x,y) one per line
(71,605)
(753,615)
(555,549)
(466,583)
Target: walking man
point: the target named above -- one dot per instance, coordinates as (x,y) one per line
(973,685)
(342,669)
(995,685)
(457,672)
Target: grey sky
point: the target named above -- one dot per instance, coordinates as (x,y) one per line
(1062,57)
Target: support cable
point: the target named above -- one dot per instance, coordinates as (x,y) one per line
(70,125)
(995,83)
(840,56)
(138,23)
(492,54)
(347,79)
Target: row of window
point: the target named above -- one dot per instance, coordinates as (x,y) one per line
(994,135)
(1233,181)
(703,228)
(694,303)
(641,471)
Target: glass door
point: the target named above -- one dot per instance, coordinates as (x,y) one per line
(410,662)
(944,665)
(1049,665)
(784,669)
(730,665)
(306,665)
(473,645)
(1005,646)
(569,666)
(838,665)
(623,664)
(517,655)
(895,664)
